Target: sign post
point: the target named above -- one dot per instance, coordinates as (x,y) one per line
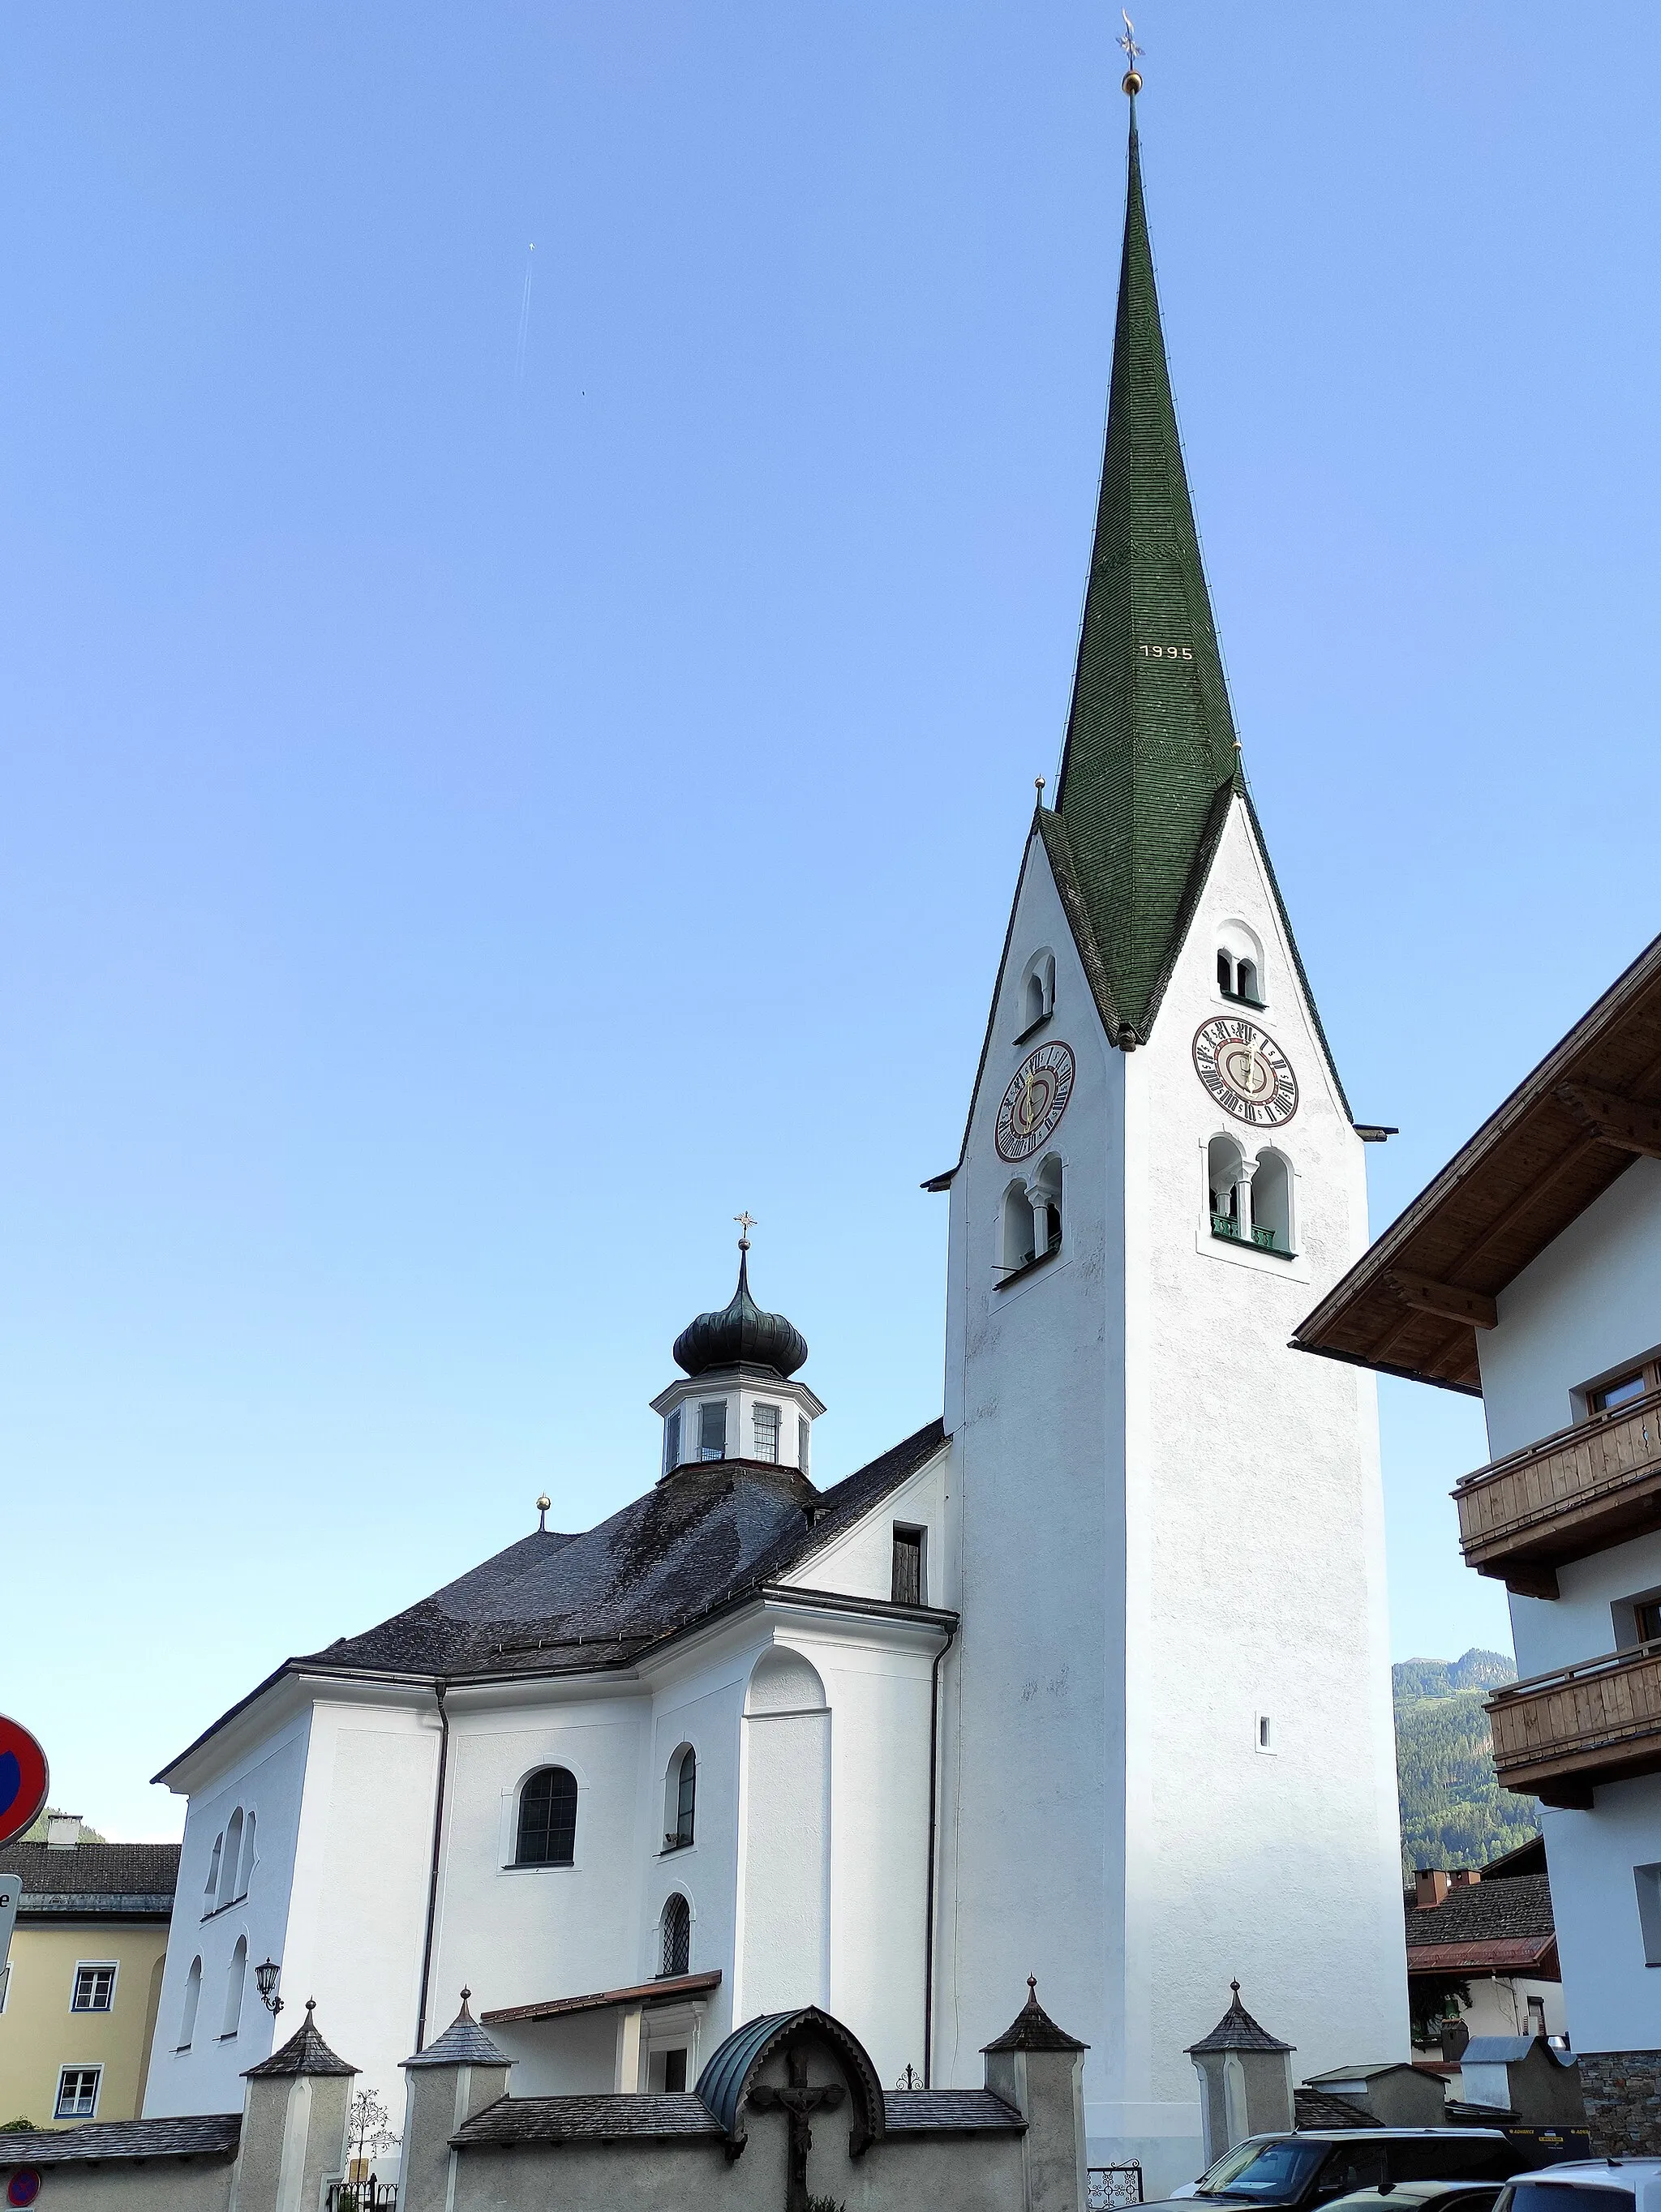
(23,1784)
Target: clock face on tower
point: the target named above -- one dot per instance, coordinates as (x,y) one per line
(1035,1101)
(1245,1072)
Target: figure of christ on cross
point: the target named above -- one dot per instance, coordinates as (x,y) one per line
(798,2099)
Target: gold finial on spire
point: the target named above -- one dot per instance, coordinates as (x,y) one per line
(544,1506)
(1133,76)
(746,1222)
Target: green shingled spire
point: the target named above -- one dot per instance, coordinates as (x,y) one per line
(1150,740)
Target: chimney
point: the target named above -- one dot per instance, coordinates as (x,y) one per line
(63,1831)
(1464,1877)
(1430,1887)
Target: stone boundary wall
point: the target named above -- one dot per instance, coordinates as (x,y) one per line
(1622,2090)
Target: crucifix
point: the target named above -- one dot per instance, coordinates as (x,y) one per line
(798,2099)
(746,1222)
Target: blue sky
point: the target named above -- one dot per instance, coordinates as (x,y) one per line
(477,815)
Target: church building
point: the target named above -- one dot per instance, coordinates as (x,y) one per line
(1088,1678)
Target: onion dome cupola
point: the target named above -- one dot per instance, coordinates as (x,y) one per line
(740,1334)
(737,1399)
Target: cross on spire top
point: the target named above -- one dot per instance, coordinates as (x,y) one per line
(1133,75)
(746,1222)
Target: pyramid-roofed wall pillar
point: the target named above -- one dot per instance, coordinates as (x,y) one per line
(294,2126)
(447,2084)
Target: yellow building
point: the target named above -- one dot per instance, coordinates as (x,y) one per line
(77,2005)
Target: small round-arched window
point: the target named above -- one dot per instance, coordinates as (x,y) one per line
(548,1818)
(681,1801)
(675,1956)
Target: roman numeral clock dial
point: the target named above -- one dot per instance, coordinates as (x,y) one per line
(1035,1101)
(1245,1072)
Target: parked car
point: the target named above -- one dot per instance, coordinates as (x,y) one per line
(1587,2184)
(1422,2197)
(1316,2167)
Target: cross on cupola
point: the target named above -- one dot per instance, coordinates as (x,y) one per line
(740,1400)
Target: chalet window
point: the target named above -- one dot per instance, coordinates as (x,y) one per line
(548,1818)
(1609,1395)
(77,2092)
(95,1988)
(712,1429)
(683,1788)
(676,1931)
(907,1587)
(671,1442)
(766,1420)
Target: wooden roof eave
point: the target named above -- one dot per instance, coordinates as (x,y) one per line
(1364,1319)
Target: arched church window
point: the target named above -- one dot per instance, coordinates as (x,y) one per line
(228,1889)
(192,2001)
(548,1818)
(1047,1218)
(1037,998)
(1245,981)
(235,1980)
(211,1891)
(1239,964)
(675,1931)
(1017,1250)
(1224,1162)
(1271,1202)
(681,1799)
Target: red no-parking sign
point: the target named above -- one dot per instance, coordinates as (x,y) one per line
(22,1778)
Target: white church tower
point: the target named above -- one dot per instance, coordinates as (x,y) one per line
(1167,1757)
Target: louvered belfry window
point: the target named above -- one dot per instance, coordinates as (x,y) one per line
(548,1818)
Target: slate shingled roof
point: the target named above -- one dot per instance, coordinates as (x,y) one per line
(1238,2031)
(199,2135)
(463,2043)
(1032,2029)
(111,1879)
(305,2052)
(948,2111)
(1516,1910)
(704,1538)
(613,2117)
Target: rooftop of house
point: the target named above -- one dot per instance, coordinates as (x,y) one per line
(85,1880)
(704,1538)
(1505,1925)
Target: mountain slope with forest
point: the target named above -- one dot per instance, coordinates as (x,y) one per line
(1454,1814)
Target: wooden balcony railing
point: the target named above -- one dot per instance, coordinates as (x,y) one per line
(1558,1735)
(1564,1498)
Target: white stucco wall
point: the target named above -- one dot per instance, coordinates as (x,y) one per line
(1165,1525)
(1589,1304)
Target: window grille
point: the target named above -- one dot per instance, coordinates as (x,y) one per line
(95,1988)
(677,1954)
(767,1432)
(77,2092)
(712,1429)
(907,1587)
(548,1818)
(671,1442)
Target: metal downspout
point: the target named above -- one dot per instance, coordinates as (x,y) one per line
(438,1689)
(933,1871)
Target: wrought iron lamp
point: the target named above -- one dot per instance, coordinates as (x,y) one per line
(265,1980)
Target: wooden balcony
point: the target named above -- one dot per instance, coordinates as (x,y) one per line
(1559,1735)
(1564,1498)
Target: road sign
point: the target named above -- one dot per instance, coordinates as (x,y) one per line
(22,1778)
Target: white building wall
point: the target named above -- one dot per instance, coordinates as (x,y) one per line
(1168,1525)
(1592,1302)
(265,1776)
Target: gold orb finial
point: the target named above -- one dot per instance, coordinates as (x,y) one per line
(544,1505)
(1132,79)
(1131,82)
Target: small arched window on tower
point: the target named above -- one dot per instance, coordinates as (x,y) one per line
(1240,965)
(1224,1191)
(681,1806)
(192,2000)
(1047,1218)
(1016,1249)
(1271,1203)
(548,1818)
(675,1937)
(1037,998)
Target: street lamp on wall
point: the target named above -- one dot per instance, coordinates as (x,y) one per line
(265,1980)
